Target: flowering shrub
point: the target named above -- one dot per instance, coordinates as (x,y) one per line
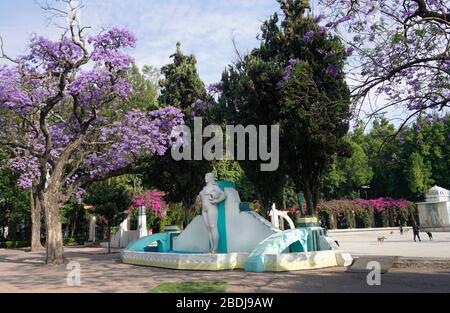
(382,212)
(152,199)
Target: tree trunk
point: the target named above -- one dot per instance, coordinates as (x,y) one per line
(55,246)
(109,239)
(74,225)
(312,196)
(309,198)
(35,206)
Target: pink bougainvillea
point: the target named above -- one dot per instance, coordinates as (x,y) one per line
(152,199)
(376,205)
(359,205)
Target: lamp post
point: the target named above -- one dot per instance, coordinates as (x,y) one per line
(142,212)
(366,188)
(133,178)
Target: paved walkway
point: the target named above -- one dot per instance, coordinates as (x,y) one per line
(366,243)
(25,272)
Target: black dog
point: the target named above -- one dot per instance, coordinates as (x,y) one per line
(430,235)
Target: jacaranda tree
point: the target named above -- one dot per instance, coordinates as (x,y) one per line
(56,100)
(401,51)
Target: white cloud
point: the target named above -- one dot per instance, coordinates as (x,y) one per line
(205,28)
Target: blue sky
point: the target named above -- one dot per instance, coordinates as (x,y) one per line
(204,27)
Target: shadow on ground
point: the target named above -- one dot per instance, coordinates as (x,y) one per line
(25,272)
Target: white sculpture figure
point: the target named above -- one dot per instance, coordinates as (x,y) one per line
(276,215)
(210,196)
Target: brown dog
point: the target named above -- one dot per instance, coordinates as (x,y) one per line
(381,239)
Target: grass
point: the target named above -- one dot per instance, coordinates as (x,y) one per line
(191,287)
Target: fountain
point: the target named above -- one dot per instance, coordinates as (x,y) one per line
(228,235)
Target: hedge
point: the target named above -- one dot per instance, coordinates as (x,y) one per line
(382,212)
(14,244)
(69,241)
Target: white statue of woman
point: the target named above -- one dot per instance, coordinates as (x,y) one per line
(210,196)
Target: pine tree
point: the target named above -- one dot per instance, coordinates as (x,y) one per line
(182,180)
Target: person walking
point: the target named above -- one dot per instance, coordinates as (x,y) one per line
(416,231)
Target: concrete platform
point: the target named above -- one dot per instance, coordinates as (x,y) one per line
(363,243)
(360,264)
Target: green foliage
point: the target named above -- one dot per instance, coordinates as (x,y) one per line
(145,93)
(364,219)
(14,244)
(418,174)
(111,200)
(382,219)
(73,218)
(383,159)
(311,108)
(429,137)
(191,287)
(181,85)
(75,241)
(14,202)
(403,165)
(183,180)
(346,175)
(317,120)
(232,171)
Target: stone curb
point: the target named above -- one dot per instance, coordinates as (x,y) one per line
(408,262)
(357,230)
(401,262)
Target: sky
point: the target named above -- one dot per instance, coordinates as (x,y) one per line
(204,27)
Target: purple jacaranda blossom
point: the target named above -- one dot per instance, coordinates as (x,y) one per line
(390,36)
(280,85)
(12,96)
(215,88)
(318,19)
(45,54)
(56,80)
(320,31)
(332,70)
(108,46)
(289,68)
(342,20)
(287,72)
(308,36)
(97,85)
(200,107)
(138,134)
